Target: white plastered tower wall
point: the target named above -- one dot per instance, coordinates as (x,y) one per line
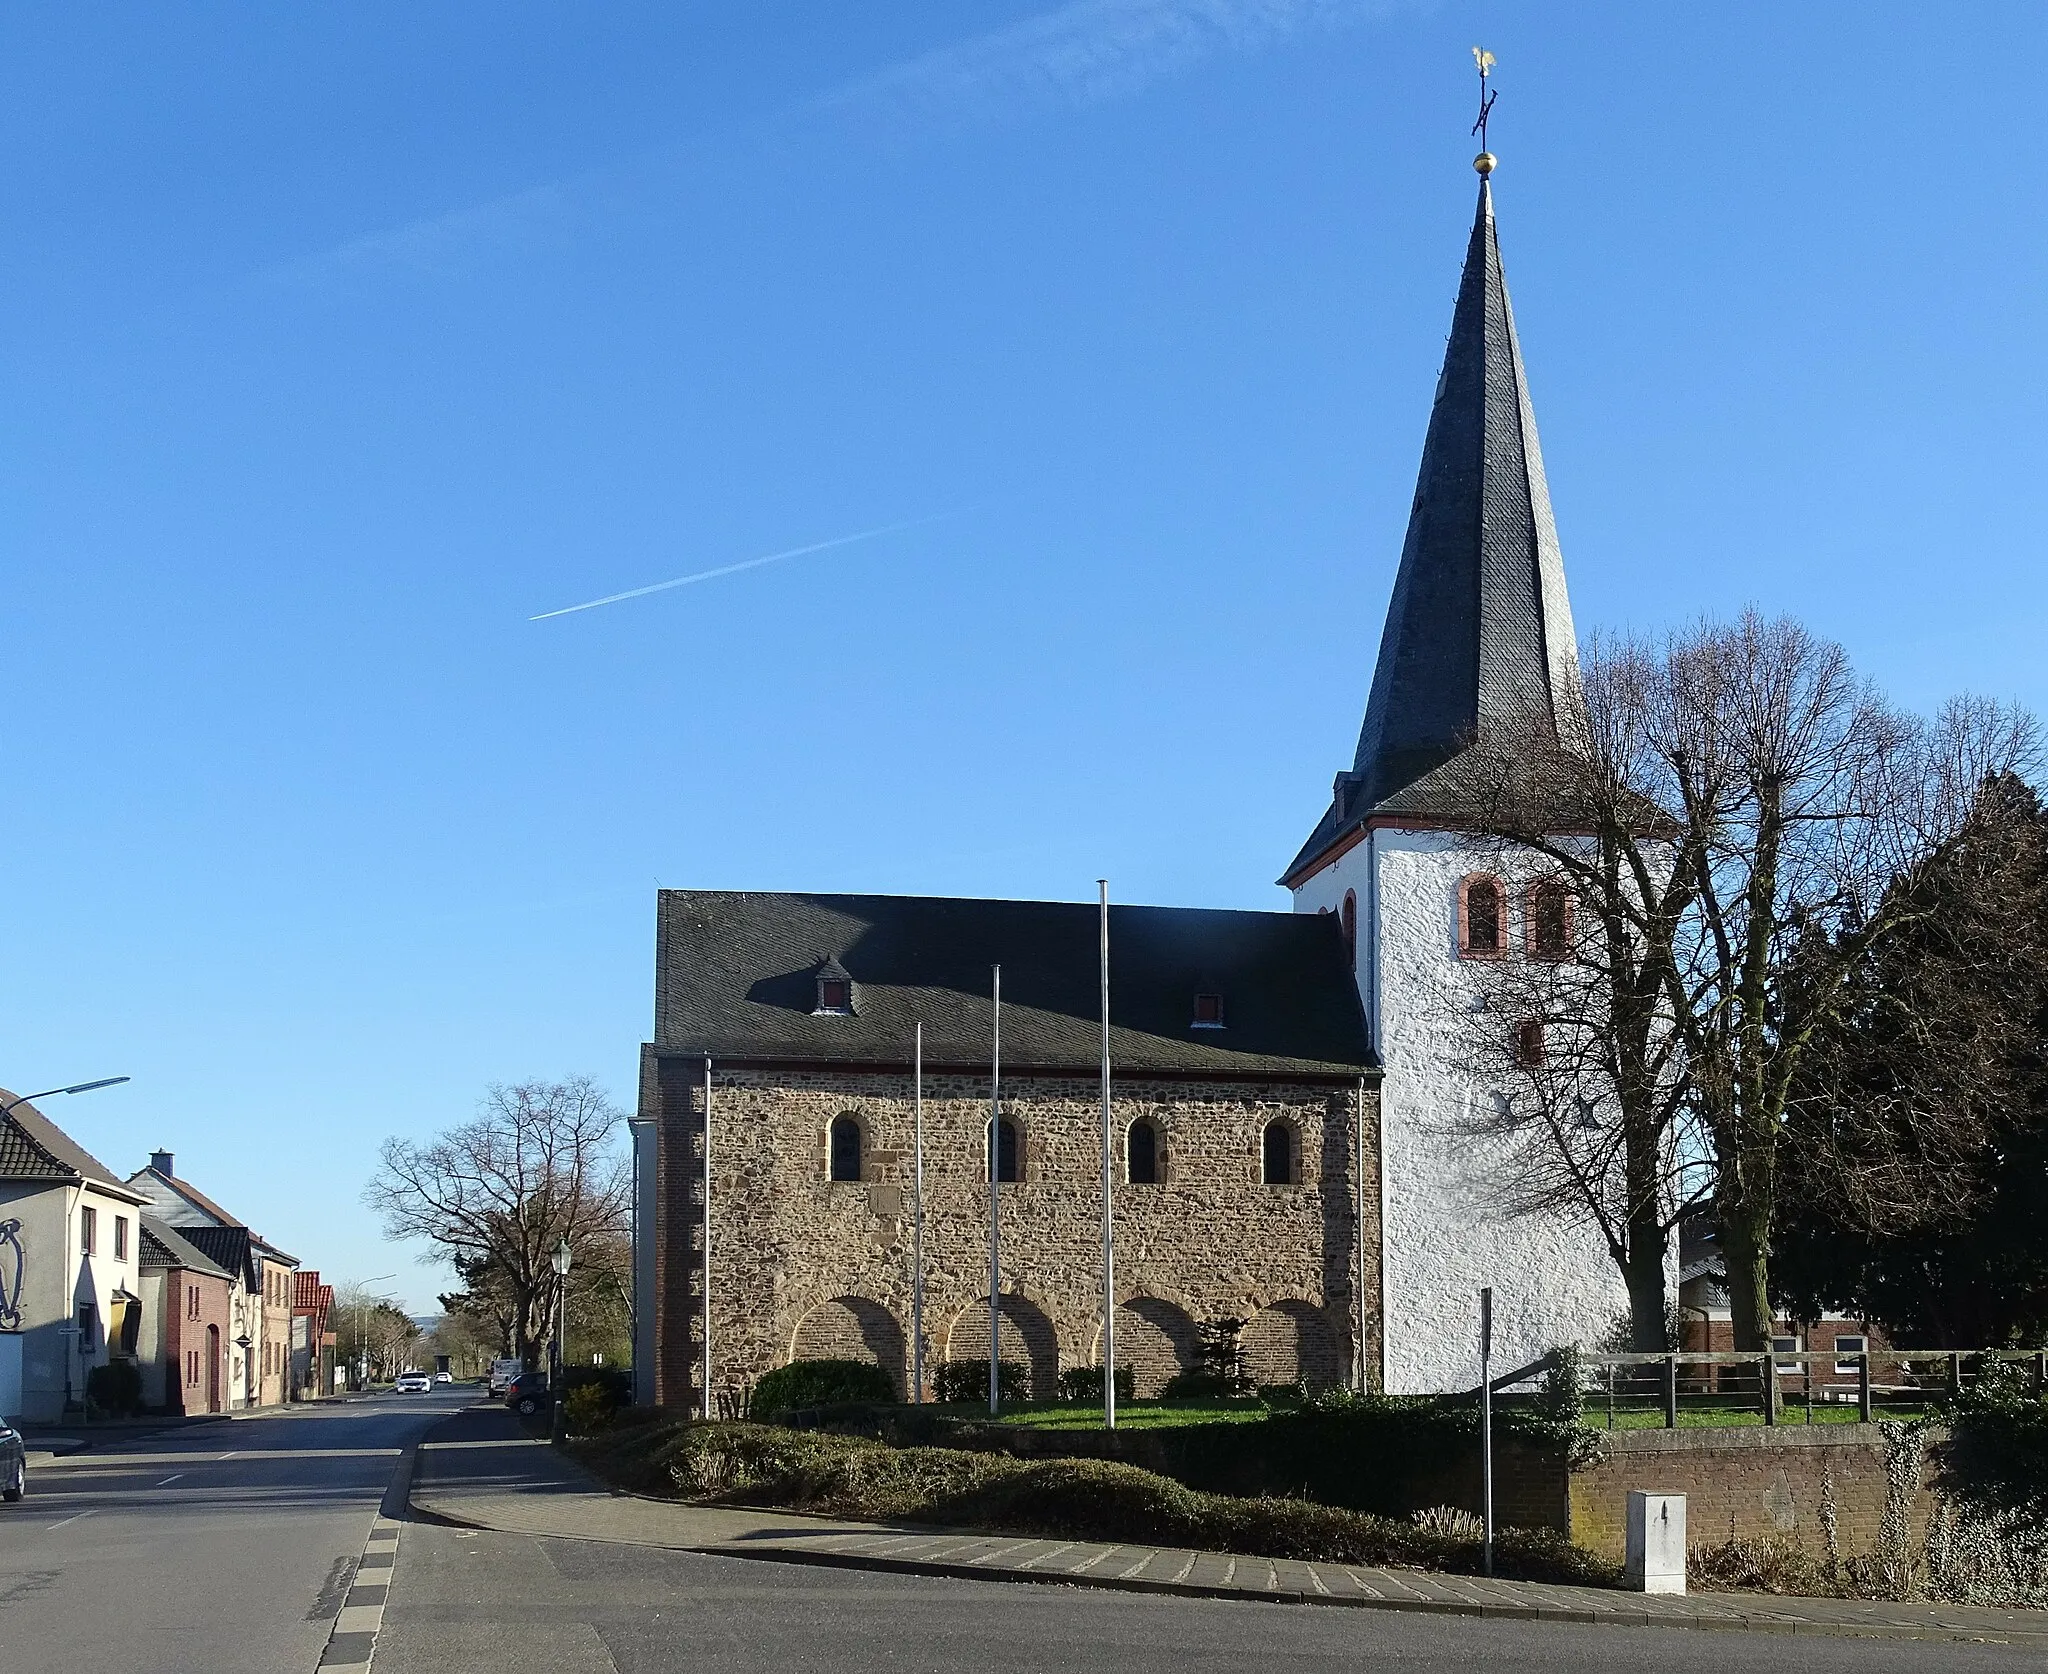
(1445,1235)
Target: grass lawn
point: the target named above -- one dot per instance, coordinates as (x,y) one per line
(1729,1417)
(1130,1415)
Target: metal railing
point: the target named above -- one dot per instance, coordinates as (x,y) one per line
(1766,1388)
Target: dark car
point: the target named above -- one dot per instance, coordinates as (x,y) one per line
(13,1463)
(527,1393)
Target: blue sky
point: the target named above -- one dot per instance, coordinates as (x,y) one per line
(339,342)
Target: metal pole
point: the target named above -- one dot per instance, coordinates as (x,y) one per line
(995,1193)
(1108,1199)
(1486,1422)
(707,1412)
(1358,1214)
(917,1218)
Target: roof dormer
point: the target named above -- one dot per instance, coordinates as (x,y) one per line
(835,990)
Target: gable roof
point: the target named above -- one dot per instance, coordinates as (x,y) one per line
(32,1147)
(162,1246)
(737,978)
(1478,637)
(227,1247)
(186,1190)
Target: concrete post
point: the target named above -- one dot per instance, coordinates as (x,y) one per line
(1656,1542)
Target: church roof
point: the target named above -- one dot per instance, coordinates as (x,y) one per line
(1479,636)
(737,971)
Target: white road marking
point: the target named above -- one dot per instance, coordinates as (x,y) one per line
(74,1517)
(167,1481)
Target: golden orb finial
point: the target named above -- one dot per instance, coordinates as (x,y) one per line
(1484,163)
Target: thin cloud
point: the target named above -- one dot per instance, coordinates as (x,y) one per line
(1085,52)
(743,564)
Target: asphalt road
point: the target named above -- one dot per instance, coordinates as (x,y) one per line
(215,1549)
(517,1604)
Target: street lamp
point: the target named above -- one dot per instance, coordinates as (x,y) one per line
(363,1327)
(559,1261)
(53,1092)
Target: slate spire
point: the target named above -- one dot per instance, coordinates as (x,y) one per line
(1479,634)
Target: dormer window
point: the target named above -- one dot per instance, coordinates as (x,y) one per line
(835,991)
(1208,1011)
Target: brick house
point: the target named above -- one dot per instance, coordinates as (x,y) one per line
(1707,1324)
(1243,1113)
(187,1318)
(312,1371)
(260,1326)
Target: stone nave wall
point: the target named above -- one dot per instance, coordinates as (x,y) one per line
(804,1266)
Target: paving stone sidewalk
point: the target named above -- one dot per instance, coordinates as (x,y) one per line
(480,1470)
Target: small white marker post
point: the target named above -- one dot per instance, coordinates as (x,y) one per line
(1656,1542)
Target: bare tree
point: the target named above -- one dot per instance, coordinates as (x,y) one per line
(497,1194)
(1729,832)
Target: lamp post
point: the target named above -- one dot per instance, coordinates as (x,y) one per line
(363,1300)
(559,1261)
(53,1092)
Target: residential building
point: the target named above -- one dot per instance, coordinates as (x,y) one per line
(187,1324)
(70,1279)
(313,1344)
(261,1304)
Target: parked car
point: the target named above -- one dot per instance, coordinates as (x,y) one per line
(502,1374)
(527,1393)
(13,1463)
(414,1383)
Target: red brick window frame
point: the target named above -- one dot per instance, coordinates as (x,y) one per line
(1547,917)
(1482,917)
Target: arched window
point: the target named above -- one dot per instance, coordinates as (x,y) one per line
(845,1148)
(1141,1154)
(1481,927)
(1351,929)
(1277,1155)
(1007,1172)
(1550,920)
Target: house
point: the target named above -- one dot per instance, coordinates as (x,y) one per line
(312,1368)
(260,1323)
(187,1323)
(70,1280)
(1290,1131)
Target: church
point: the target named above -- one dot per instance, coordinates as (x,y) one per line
(814,1155)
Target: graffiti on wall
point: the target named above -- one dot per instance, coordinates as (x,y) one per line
(12,1260)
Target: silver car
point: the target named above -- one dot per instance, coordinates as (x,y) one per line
(13,1463)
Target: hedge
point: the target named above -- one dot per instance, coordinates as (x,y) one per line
(819,1383)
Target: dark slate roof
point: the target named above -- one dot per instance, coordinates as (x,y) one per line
(736,978)
(165,1246)
(1479,635)
(32,1147)
(227,1247)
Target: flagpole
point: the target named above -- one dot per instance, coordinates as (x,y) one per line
(917,1220)
(1108,1201)
(708,1414)
(995,1195)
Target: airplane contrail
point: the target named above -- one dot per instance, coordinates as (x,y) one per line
(744,564)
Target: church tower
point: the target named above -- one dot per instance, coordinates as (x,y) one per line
(1478,641)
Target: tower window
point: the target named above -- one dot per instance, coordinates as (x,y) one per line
(1208,1011)
(845,1148)
(1351,929)
(1141,1154)
(1480,918)
(1276,1159)
(1007,1172)
(1550,920)
(1531,1049)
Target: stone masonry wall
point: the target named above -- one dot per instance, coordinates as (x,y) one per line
(803,1264)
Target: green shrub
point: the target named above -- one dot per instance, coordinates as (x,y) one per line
(820,1383)
(1997,1457)
(1074,1499)
(615,1381)
(587,1408)
(967,1380)
(114,1388)
(1082,1385)
(1196,1384)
